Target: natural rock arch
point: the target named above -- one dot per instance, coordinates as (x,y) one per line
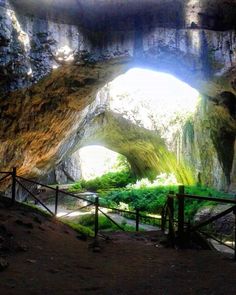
(196,54)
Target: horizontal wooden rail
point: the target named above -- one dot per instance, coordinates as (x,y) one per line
(81,208)
(213,199)
(149,217)
(5,172)
(54,189)
(213,218)
(215,239)
(108,217)
(34,197)
(4,177)
(129,212)
(117,209)
(77,197)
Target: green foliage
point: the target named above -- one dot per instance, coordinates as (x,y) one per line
(162,179)
(146,199)
(152,200)
(122,164)
(148,196)
(106,181)
(104,223)
(84,230)
(77,187)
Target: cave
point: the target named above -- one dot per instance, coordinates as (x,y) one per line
(56,57)
(64,88)
(88,162)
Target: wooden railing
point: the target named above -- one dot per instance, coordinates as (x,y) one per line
(98,208)
(180,228)
(172,219)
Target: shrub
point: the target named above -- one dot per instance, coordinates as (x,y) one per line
(107,181)
(163,179)
(104,223)
(152,200)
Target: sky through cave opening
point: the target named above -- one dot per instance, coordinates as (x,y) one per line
(152,102)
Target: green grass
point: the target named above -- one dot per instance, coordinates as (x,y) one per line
(104,223)
(81,229)
(36,209)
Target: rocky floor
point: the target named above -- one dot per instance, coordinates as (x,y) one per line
(42,256)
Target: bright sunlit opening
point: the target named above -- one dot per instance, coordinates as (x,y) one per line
(96,161)
(159,89)
(65,53)
(153,100)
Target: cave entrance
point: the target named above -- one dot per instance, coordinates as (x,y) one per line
(96,161)
(144,115)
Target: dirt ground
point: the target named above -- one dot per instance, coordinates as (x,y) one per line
(46,257)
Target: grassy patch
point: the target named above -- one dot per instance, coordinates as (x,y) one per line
(81,229)
(87,221)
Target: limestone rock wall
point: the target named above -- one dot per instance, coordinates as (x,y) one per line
(50,117)
(208,144)
(31,47)
(69,171)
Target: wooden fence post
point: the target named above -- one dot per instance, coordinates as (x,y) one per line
(163,220)
(137,219)
(234,211)
(181,215)
(13,189)
(170,208)
(56,200)
(96,204)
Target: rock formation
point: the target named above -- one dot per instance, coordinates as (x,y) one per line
(44,110)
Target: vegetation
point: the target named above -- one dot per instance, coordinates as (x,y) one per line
(107,181)
(81,229)
(87,222)
(152,199)
(121,190)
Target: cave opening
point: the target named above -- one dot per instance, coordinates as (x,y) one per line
(144,116)
(96,161)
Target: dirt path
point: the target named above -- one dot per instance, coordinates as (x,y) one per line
(116,217)
(46,257)
(121,219)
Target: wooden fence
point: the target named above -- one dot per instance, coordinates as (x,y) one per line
(175,224)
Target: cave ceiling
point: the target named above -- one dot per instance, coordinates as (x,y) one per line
(107,15)
(42,119)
